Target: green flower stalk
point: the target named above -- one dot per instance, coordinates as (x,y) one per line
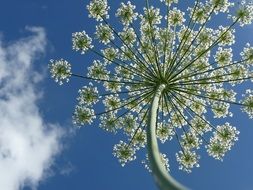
(158,76)
(162,178)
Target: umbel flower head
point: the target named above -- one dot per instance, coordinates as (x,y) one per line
(164,76)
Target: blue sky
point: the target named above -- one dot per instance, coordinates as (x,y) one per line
(31,33)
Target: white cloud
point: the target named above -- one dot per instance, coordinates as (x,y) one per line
(67,169)
(28,145)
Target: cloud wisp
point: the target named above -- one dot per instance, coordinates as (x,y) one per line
(28,144)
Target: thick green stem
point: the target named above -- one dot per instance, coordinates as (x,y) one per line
(162,178)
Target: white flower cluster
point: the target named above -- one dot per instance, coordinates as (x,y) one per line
(227,37)
(98,71)
(227,134)
(164,131)
(151,16)
(248,103)
(206,37)
(247,54)
(178,120)
(221,5)
(88,95)
(104,33)
(126,13)
(220,110)
(124,152)
(128,36)
(83,115)
(199,124)
(223,56)
(113,86)
(98,9)
(129,124)
(176,17)
(190,140)
(200,13)
(81,42)
(110,54)
(245,13)
(198,106)
(216,149)
(223,139)
(187,160)
(60,70)
(237,72)
(109,122)
(138,138)
(112,102)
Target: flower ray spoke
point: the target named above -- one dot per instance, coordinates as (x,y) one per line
(175,131)
(152,36)
(216,82)
(216,42)
(137,58)
(192,42)
(136,61)
(196,73)
(125,92)
(139,125)
(134,106)
(209,98)
(184,38)
(123,65)
(128,103)
(152,68)
(105,80)
(186,120)
(199,116)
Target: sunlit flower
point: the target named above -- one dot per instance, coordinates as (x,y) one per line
(216,149)
(187,160)
(126,13)
(98,9)
(248,102)
(164,131)
(83,115)
(124,152)
(104,33)
(109,122)
(88,95)
(245,13)
(81,41)
(60,70)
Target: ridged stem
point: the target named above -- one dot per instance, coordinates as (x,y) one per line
(162,178)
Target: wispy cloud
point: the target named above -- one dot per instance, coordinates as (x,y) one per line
(28,144)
